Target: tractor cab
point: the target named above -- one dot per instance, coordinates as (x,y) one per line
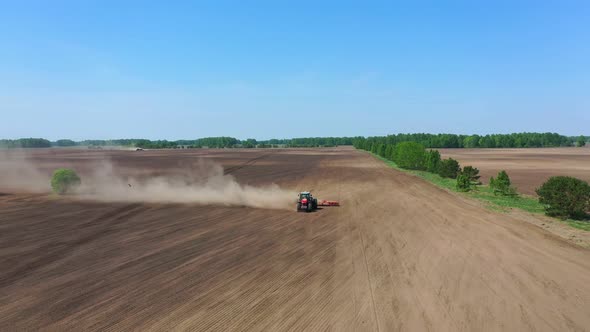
(304,194)
(306,202)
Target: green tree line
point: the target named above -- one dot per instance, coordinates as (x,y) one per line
(25,143)
(515,140)
(209,142)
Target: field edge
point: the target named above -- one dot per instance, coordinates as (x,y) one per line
(509,205)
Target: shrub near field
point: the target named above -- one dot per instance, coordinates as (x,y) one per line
(468,178)
(565,196)
(64,180)
(472,174)
(449,168)
(502,185)
(463,183)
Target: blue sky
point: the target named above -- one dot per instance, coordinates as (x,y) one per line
(274,69)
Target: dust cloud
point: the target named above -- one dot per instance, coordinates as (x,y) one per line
(17,172)
(202,182)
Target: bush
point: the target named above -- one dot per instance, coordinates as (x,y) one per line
(410,155)
(581,141)
(449,168)
(502,184)
(463,183)
(565,196)
(472,174)
(432,162)
(64,180)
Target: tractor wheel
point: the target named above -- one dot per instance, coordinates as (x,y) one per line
(309,207)
(298,207)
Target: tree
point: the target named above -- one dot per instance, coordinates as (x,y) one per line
(374,147)
(390,151)
(565,196)
(581,141)
(464,183)
(449,168)
(64,180)
(487,142)
(472,174)
(65,142)
(410,155)
(433,160)
(502,184)
(381,150)
(471,141)
(249,143)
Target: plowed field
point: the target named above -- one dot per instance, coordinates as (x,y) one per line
(528,168)
(399,254)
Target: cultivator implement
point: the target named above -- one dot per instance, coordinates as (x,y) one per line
(328,203)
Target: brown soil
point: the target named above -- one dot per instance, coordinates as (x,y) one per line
(528,168)
(399,254)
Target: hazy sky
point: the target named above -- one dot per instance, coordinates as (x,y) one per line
(274,69)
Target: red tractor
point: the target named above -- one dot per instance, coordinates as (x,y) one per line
(306,202)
